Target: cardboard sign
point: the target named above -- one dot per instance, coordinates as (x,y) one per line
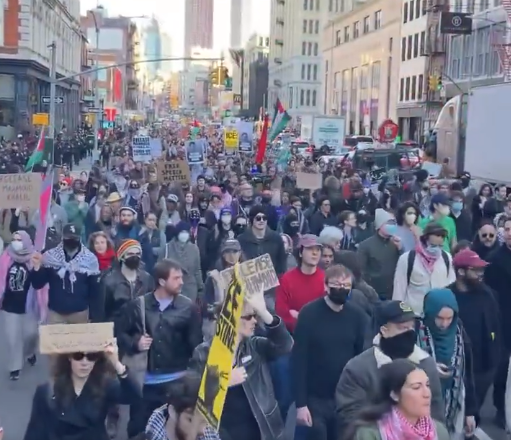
(256,274)
(173,171)
(309,180)
(73,338)
(20,190)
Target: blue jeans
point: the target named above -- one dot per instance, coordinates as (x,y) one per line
(280,375)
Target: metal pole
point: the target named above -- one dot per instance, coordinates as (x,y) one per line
(96,96)
(473,63)
(242,87)
(53,90)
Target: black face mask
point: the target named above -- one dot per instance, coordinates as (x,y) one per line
(400,346)
(265,199)
(133,262)
(71,243)
(338,295)
(239,229)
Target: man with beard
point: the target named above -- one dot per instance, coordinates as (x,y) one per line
(129,228)
(396,340)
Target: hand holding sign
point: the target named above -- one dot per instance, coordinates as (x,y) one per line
(238,376)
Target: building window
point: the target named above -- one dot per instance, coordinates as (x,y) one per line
(418,8)
(314,97)
(337,38)
(366,24)
(422,43)
(316,49)
(302,97)
(414,88)
(308,98)
(311,26)
(403,49)
(416,45)
(305,3)
(309,49)
(316,27)
(309,72)
(303,71)
(315,72)
(304,26)
(401,89)
(405,13)
(291,97)
(420,88)
(377,20)
(317,5)
(267,42)
(391,43)
(311,5)
(411,10)
(346,34)
(330,5)
(409,48)
(407,89)
(304,48)
(356,29)
(424,7)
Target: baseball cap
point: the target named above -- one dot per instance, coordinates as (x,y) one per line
(468,258)
(230,245)
(440,199)
(309,240)
(394,312)
(71,231)
(172,198)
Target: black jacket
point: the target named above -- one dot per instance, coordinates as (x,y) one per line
(257,352)
(84,419)
(271,244)
(117,291)
(175,332)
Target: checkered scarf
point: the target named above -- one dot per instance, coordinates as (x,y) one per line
(155,429)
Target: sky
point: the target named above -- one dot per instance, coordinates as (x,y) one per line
(170,14)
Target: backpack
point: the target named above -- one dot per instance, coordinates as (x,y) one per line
(411,260)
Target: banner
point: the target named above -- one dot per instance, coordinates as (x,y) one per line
(246,136)
(231,141)
(195,151)
(217,373)
(141,146)
(20,190)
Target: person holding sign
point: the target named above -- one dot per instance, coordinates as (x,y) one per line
(251,412)
(56,408)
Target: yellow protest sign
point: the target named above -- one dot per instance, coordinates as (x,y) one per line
(217,373)
(40,119)
(231,139)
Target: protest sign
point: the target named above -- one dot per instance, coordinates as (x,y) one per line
(231,140)
(309,180)
(246,136)
(217,373)
(20,190)
(173,171)
(141,146)
(72,338)
(195,151)
(256,274)
(156,148)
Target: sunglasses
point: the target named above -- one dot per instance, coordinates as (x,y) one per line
(249,317)
(260,218)
(91,357)
(488,235)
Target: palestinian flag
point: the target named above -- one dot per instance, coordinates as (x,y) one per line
(279,122)
(43,151)
(44,211)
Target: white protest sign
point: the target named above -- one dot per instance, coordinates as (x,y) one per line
(156,148)
(73,338)
(20,190)
(141,146)
(257,274)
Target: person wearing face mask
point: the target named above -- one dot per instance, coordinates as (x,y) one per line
(133,195)
(426,267)
(326,322)
(71,272)
(240,225)
(270,210)
(407,218)
(364,227)
(181,249)
(221,232)
(396,339)
(440,208)
(461,217)
(77,209)
(19,303)
(291,227)
(479,311)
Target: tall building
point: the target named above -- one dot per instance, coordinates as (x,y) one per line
(295,39)
(166,52)
(248,17)
(152,47)
(361,58)
(198,25)
(255,75)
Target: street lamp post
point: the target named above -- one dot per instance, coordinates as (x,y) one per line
(96,87)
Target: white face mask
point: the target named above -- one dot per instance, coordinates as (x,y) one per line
(80,199)
(410,218)
(16,246)
(366,191)
(226,219)
(183,237)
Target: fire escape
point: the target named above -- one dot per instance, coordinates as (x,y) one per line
(435,50)
(501,39)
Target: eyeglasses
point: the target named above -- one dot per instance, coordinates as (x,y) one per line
(260,218)
(249,317)
(490,235)
(91,357)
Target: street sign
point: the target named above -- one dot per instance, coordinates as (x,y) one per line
(58,99)
(94,110)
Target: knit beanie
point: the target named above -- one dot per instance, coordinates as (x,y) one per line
(381,217)
(127,246)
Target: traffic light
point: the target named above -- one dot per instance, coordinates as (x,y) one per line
(440,85)
(214,76)
(435,83)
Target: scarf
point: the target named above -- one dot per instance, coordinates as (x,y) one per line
(427,260)
(84,262)
(394,426)
(105,259)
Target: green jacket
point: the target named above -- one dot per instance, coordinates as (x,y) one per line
(371,432)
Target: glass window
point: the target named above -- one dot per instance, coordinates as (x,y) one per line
(403,49)
(377,20)
(303,71)
(411,10)
(316,27)
(308,98)
(366,24)
(305,3)
(401,89)
(420,88)
(302,97)
(304,48)
(311,26)
(330,5)
(315,72)
(304,26)
(422,42)
(317,5)
(416,45)
(316,49)
(309,72)
(314,98)
(337,38)
(346,34)
(356,29)
(409,47)
(309,48)
(414,88)
(375,75)
(311,5)
(407,89)
(290,97)
(405,13)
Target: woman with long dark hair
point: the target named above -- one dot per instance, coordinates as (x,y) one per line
(402,410)
(74,404)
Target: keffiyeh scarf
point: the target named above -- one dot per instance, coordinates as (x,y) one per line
(84,262)
(394,426)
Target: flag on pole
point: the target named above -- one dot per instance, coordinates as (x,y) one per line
(38,155)
(44,210)
(280,120)
(261,147)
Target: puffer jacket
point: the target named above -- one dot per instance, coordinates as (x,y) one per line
(254,354)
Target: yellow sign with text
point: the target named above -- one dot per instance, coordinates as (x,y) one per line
(41,119)
(231,139)
(217,373)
